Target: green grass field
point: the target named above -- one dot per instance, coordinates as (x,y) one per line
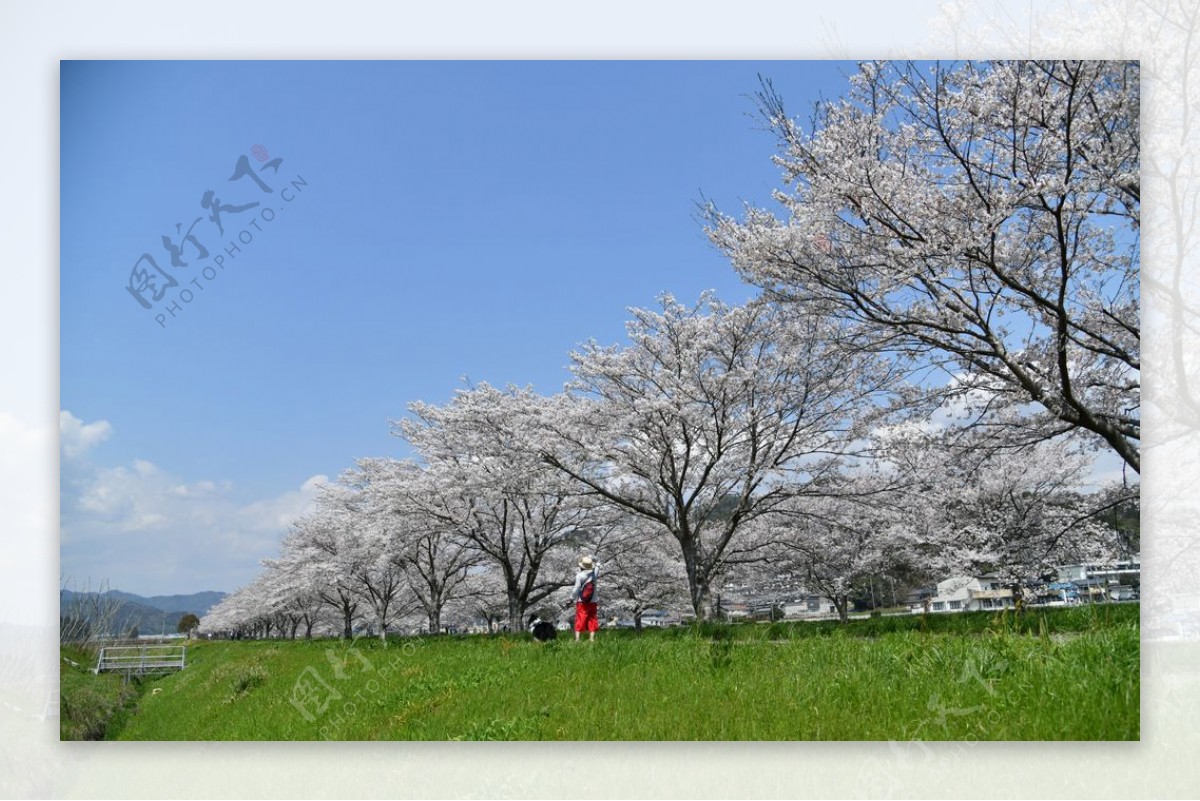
(1070,674)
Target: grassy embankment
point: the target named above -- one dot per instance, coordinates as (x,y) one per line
(91,707)
(1061,674)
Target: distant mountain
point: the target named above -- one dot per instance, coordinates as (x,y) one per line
(197,603)
(154,615)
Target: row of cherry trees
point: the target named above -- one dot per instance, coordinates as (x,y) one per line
(948,333)
(722,443)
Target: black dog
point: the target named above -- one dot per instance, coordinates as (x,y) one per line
(541,630)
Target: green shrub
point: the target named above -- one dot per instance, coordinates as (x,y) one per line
(245,680)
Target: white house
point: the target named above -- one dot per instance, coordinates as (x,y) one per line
(966,594)
(660,618)
(1102,574)
(809,606)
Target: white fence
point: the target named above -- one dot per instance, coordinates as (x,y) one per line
(141,659)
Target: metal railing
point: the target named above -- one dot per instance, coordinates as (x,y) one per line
(141,659)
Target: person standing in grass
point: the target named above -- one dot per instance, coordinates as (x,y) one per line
(584,596)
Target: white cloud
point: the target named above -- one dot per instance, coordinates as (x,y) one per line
(315,483)
(201,489)
(276,514)
(78,438)
(130,499)
(143,529)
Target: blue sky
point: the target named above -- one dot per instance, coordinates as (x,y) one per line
(431,220)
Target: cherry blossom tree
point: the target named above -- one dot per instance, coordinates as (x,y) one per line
(639,572)
(1014,513)
(485,485)
(921,507)
(982,218)
(437,563)
(280,599)
(242,613)
(1021,514)
(375,540)
(434,560)
(303,608)
(290,603)
(486,600)
(712,416)
(319,552)
(834,542)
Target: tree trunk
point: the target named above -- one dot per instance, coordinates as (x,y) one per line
(637,620)
(383,623)
(697,578)
(516,614)
(308,626)
(435,620)
(842,604)
(347,618)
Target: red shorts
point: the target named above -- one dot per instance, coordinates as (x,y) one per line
(585,617)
